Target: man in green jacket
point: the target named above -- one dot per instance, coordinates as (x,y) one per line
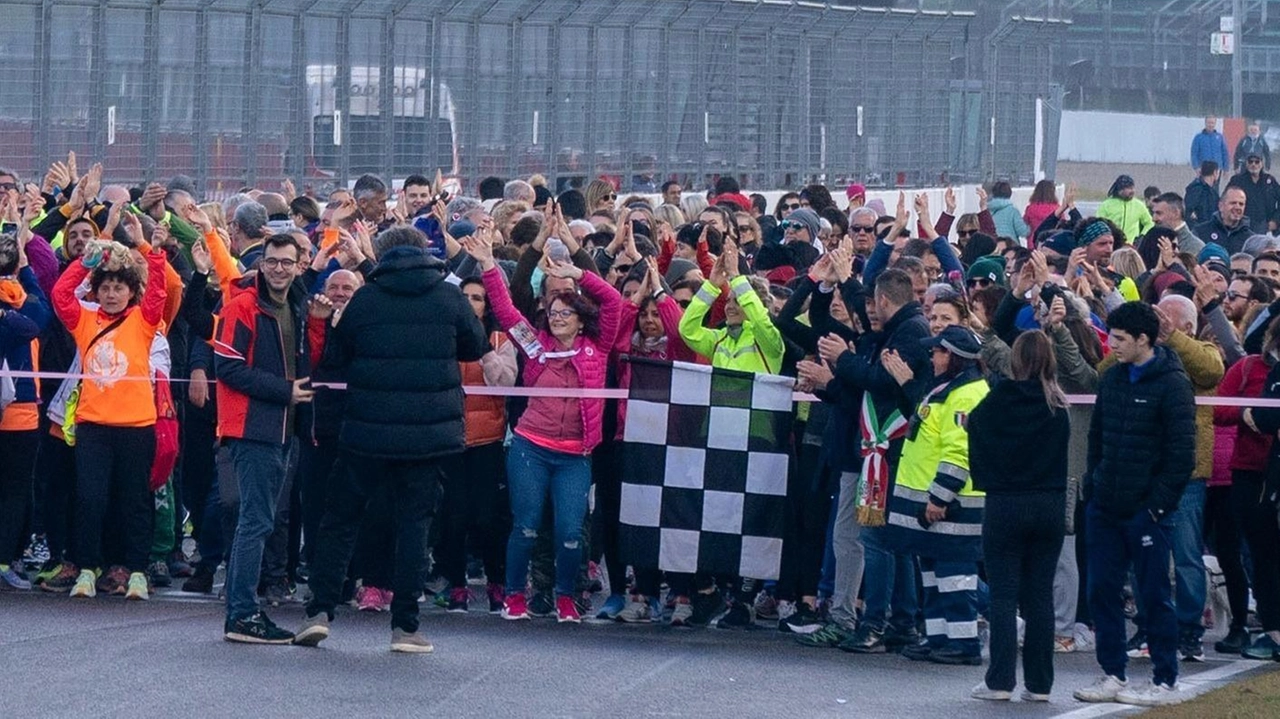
(1124,210)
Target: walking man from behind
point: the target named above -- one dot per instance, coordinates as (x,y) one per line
(399,343)
(1141,455)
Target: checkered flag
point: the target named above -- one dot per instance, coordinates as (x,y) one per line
(705,459)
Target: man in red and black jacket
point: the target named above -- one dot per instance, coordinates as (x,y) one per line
(261,361)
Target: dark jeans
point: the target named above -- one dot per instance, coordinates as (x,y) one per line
(18,450)
(258,475)
(475,505)
(1113,545)
(319,469)
(56,478)
(414,486)
(1222,534)
(113,470)
(1257,512)
(891,598)
(1022,537)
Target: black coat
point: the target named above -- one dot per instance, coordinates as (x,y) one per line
(1200,203)
(1231,238)
(1262,199)
(1017,442)
(399,343)
(1142,438)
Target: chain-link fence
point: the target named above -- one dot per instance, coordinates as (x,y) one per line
(776,93)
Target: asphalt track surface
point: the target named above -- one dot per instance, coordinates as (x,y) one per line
(106,658)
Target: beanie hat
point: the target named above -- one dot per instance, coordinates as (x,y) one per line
(809,219)
(461,229)
(678,268)
(1213,250)
(987,268)
(1092,231)
(1061,242)
(856,190)
(1214,264)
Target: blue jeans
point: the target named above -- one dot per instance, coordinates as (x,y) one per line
(1112,545)
(889,581)
(260,469)
(532,473)
(1188,561)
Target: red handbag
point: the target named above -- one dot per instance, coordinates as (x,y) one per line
(166,434)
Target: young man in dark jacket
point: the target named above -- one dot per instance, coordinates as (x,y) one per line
(262,367)
(399,342)
(1142,441)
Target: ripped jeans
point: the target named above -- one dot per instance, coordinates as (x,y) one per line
(533,473)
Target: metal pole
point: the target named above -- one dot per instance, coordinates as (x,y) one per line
(1237,82)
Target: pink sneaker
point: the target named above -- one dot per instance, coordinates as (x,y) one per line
(373,599)
(567,611)
(514,607)
(386,595)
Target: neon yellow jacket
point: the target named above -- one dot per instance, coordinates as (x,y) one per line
(755,347)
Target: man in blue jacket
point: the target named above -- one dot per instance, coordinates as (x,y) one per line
(1208,144)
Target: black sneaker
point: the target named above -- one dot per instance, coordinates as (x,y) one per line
(866,640)
(1191,649)
(921,652)
(159,574)
(705,607)
(1235,641)
(803,621)
(201,582)
(542,604)
(256,629)
(278,592)
(897,639)
(739,616)
(1137,647)
(954,655)
(179,566)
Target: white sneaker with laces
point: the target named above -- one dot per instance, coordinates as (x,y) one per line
(994,695)
(1103,690)
(636,613)
(1030,696)
(1151,695)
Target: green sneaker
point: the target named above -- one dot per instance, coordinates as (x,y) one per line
(86,585)
(138,588)
(829,636)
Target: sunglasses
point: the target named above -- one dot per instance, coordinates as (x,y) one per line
(869,229)
(8,185)
(1234,295)
(965,233)
(623,269)
(791,206)
(1254,161)
(611,197)
(789,225)
(981,282)
(561,314)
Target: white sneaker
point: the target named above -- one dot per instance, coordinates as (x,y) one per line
(994,695)
(635,613)
(1022,631)
(1103,690)
(1151,695)
(1030,696)
(786,609)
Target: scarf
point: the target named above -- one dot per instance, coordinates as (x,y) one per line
(873,486)
(11,292)
(650,346)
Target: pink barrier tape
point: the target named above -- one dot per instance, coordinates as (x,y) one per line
(484,391)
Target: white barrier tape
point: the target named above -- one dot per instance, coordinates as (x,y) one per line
(485,391)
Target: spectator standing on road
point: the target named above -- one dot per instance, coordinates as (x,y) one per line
(1252,144)
(1208,144)
(1018,440)
(1229,226)
(399,342)
(1008,222)
(1201,196)
(262,365)
(1141,455)
(1043,203)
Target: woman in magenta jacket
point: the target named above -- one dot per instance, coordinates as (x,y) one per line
(568,349)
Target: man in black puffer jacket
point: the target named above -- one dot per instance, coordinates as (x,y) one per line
(399,342)
(1142,441)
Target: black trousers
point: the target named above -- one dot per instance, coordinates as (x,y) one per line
(1257,513)
(18,450)
(414,487)
(199,469)
(319,469)
(374,561)
(1222,534)
(113,468)
(55,487)
(1022,537)
(808,509)
(475,505)
(606,537)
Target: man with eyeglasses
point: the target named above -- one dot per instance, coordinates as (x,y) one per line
(1244,294)
(862,230)
(1262,194)
(261,361)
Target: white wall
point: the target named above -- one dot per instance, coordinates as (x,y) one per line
(1121,137)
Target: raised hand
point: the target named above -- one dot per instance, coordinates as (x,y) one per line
(201,257)
(949,200)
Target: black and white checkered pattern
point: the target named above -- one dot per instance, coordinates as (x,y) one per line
(705,463)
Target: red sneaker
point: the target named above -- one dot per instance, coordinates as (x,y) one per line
(514,607)
(567,611)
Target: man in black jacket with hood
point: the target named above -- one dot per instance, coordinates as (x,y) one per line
(1141,455)
(399,342)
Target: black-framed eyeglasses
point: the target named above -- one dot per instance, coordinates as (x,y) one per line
(274,262)
(868,229)
(561,314)
(744,229)
(791,206)
(1233,295)
(1237,274)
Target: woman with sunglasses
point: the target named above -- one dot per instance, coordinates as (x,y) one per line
(551,453)
(600,196)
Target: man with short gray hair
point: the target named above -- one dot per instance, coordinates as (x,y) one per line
(371,199)
(248,228)
(519,191)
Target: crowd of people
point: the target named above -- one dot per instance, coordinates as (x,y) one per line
(282,378)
